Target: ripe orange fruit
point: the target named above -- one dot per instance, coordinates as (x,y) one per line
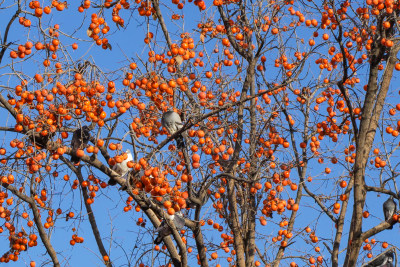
(80,153)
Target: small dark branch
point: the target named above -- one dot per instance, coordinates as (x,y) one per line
(327,247)
(109,6)
(160,18)
(322,206)
(345,93)
(9,108)
(110,132)
(261,256)
(89,210)
(131,133)
(341,83)
(7,129)
(19,194)
(5,45)
(192,198)
(232,40)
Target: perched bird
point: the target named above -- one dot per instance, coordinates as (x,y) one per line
(80,138)
(383,260)
(389,208)
(173,123)
(122,168)
(165,230)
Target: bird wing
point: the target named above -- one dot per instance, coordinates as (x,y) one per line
(179,221)
(176,120)
(117,168)
(163,232)
(175,117)
(377,262)
(171,121)
(124,164)
(389,207)
(85,135)
(178,125)
(383,263)
(163,123)
(80,137)
(161,227)
(75,142)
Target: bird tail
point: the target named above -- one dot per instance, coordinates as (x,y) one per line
(158,239)
(180,143)
(391,227)
(75,159)
(112,181)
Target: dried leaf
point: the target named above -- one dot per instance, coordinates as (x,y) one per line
(202,37)
(179,60)
(89,32)
(109,46)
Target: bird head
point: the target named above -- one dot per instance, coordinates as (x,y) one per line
(179,213)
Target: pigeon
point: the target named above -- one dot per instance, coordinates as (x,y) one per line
(389,208)
(165,230)
(80,138)
(122,168)
(384,260)
(172,122)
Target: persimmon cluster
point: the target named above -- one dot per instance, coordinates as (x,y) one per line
(97,30)
(76,239)
(146,9)
(79,97)
(91,184)
(18,241)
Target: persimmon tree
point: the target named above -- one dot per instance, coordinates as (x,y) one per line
(289,123)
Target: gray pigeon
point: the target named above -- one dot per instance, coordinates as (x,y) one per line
(384,260)
(389,208)
(165,230)
(122,168)
(80,139)
(173,123)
